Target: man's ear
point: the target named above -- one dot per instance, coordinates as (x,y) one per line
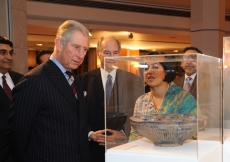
(58,44)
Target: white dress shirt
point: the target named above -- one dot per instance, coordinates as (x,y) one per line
(191,81)
(104,76)
(9,80)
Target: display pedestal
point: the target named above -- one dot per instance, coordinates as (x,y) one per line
(144,150)
(226,151)
(226,145)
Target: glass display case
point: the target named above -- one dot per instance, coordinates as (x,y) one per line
(226,100)
(149,116)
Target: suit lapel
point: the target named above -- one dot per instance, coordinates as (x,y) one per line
(58,79)
(118,91)
(4,97)
(193,87)
(14,78)
(98,89)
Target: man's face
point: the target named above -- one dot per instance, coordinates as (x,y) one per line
(189,65)
(109,48)
(72,54)
(6,58)
(44,57)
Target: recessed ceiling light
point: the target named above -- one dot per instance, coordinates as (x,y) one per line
(175,50)
(39,44)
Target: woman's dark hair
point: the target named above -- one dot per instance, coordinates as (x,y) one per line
(192,48)
(169,68)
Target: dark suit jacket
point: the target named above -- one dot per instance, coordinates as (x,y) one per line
(47,123)
(126,89)
(180,82)
(4,114)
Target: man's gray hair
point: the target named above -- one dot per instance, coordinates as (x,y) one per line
(65,30)
(101,40)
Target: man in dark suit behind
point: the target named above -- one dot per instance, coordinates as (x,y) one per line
(127,87)
(190,69)
(48,117)
(12,78)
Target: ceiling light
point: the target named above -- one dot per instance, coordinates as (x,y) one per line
(39,44)
(175,51)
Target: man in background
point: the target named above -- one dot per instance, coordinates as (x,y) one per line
(122,89)
(43,56)
(188,80)
(48,115)
(8,79)
(208,97)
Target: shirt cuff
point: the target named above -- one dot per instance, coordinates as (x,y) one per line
(89,135)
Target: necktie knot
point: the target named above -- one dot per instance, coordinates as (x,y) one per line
(109,77)
(188,79)
(6,87)
(69,74)
(71,82)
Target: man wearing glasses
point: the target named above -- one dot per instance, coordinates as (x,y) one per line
(188,80)
(8,79)
(96,83)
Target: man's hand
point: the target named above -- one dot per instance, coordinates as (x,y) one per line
(115,135)
(98,136)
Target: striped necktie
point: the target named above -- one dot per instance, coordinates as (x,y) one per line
(71,82)
(187,85)
(6,87)
(109,86)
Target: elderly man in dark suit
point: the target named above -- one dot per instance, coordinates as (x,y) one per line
(8,79)
(48,117)
(123,84)
(188,80)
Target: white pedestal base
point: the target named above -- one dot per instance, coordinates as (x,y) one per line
(226,150)
(143,150)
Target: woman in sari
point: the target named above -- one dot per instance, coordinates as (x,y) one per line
(164,96)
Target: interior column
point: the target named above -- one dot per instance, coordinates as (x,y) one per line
(14,26)
(208,26)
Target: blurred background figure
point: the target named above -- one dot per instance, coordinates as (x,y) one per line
(43,56)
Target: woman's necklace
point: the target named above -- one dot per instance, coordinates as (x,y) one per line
(157,102)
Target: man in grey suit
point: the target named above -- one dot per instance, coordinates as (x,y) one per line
(11,78)
(208,97)
(126,88)
(48,117)
(190,69)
